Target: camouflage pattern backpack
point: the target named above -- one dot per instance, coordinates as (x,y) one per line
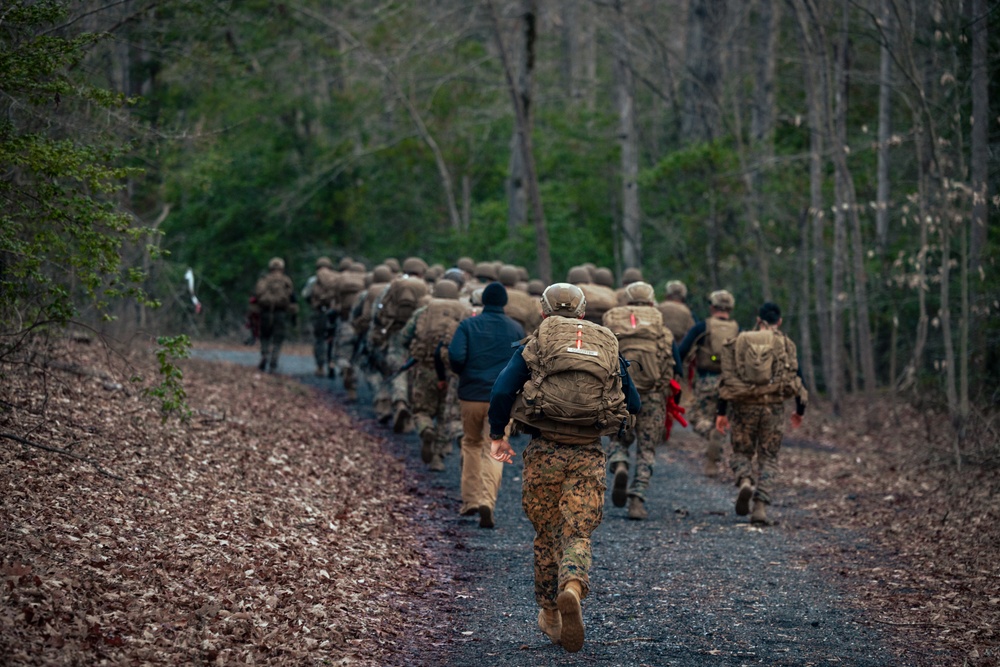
(349,285)
(274,291)
(436,323)
(645,343)
(761,366)
(709,346)
(324,289)
(575,393)
(400,300)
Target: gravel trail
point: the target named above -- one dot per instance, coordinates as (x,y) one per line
(692,585)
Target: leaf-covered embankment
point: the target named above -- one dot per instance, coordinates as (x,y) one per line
(267,529)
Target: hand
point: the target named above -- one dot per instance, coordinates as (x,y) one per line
(502,451)
(796,420)
(722,424)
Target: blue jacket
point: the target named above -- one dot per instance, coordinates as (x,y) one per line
(480,349)
(516,374)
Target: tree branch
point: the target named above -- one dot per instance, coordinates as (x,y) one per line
(63,452)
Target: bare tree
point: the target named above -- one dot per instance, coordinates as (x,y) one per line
(628,137)
(701,117)
(524,63)
(884,130)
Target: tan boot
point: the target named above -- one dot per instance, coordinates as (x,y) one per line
(637,509)
(620,486)
(550,622)
(759,516)
(400,417)
(568,601)
(743,499)
(427,437)
(713,454)
(436,464)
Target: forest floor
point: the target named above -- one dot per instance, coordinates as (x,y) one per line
(281,525)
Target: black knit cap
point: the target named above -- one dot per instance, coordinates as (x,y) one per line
(495,295)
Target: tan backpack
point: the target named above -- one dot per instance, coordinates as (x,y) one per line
(600,299)
(575,391)
(363,321)
(709,347)
(402,298)
(435,324)
(646,343)
(349,285)
(761,365)
(524,309)
(274,291)
(677,317)
(324,289)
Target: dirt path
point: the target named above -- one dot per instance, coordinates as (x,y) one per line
(692,585)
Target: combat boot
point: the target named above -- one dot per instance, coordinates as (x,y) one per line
(400,417)
(319,372)
(427,437)
(568,602)
(620,486)
(550,622)
(436,464)
(263,364)
(637,508)
(713,454)
(485,516)
(743,499)
(759,516)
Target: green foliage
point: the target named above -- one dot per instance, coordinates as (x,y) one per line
(170,391)
(61,232)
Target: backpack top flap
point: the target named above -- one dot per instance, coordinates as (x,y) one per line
(757,356)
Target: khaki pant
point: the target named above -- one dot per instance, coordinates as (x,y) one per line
(481,473)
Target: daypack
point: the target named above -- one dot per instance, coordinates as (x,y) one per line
(324,289)
(646,343)
(760,365)
(600,299)
(403,296)
(676,317)
(524,309)
(709,348)
(362,322)
(574,394)
(436,323)
(274,291)
(349,285)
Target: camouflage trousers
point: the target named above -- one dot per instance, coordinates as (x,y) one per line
(272,335)
(343,350)
(757,431)
(427,404)
(649,432)
(563,497)
(702,414)
(395,356)
(320,338)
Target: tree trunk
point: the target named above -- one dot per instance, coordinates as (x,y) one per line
(765,37)
(884,132)
(979,172)
(524,62)
(631,242)
(544,258)
(701,118)
(805,327)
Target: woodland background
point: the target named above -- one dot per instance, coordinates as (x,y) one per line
(836,156)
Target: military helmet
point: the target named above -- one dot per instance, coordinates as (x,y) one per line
(578,274)
(345,263)
(455,275)
(722,300)
(508,275)
(466,264)
(563,299)
(357,267)
(640,292)
(631,275)
(414,266)
(485,271)
(324,262)
(381,274)
(445,289)
(392,263)
(677,289)
(604,276)
(276,264)
(536,287)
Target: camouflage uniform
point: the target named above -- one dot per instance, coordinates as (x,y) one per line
(706,399)
(563,497)
(648,433)
(757,429)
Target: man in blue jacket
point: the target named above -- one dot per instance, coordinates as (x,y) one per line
(479,350)
(564,465)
